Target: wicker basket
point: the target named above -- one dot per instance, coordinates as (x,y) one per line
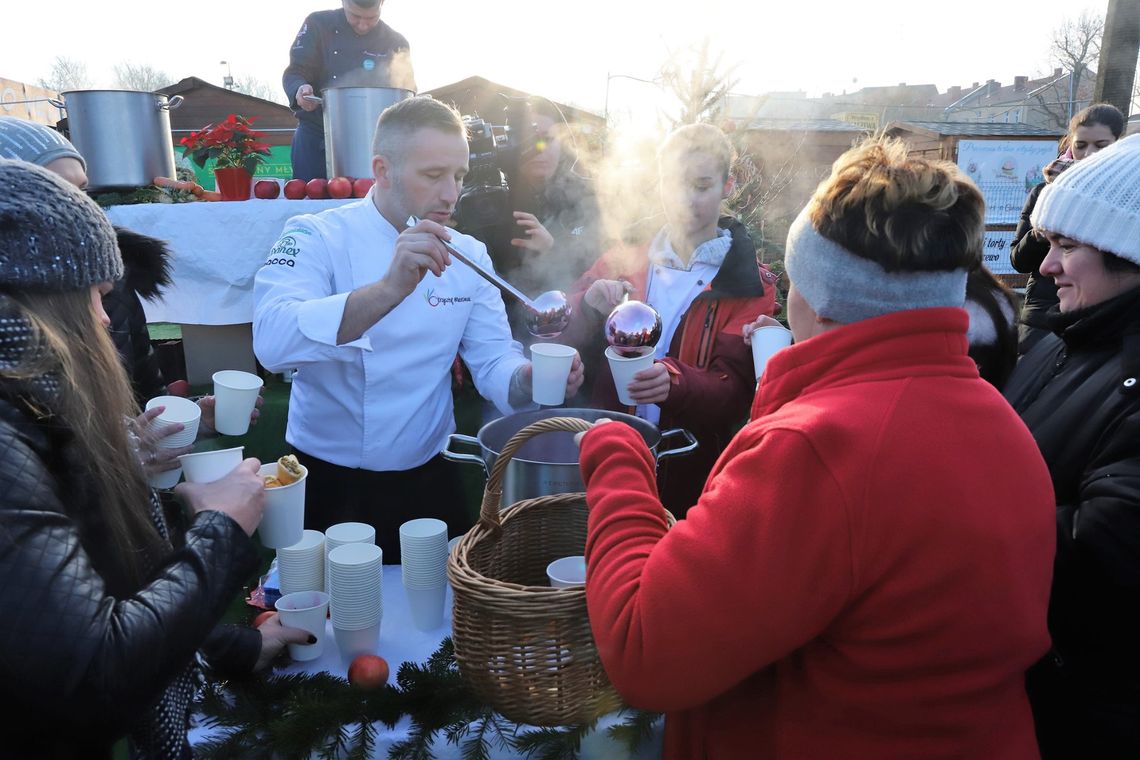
(525,648)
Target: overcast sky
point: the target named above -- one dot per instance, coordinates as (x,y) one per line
(564,52)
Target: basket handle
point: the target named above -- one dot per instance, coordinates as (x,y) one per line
(489,511)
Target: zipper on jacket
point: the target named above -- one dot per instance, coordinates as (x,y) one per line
(705,347)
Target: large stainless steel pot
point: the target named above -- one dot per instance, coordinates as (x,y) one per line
(350,121)
(123,135)
(548,463)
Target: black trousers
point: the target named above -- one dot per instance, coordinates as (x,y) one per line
(384,500)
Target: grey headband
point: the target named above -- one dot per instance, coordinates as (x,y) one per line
(845,288)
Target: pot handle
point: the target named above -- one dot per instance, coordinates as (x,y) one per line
(455,456)
(690,445)
(171,104)
(58,103)
(493,494)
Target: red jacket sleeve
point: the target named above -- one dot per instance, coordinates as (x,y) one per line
(753,572)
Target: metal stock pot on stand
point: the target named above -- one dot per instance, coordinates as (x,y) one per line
(548,463)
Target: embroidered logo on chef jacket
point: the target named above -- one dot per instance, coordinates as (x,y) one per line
(433,300)
(284,252)
(368,64)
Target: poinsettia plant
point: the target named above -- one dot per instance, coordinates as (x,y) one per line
(233,142)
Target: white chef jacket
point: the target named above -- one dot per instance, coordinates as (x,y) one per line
(381,402)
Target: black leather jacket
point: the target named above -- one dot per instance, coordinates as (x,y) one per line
(78,664)
(1079,393)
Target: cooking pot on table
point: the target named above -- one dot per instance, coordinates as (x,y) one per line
(123,135)
(350,121)
(548,463)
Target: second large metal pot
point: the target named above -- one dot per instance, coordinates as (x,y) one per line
(123,135)
(548,463)
(350,121)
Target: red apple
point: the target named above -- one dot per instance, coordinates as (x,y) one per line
(361,187)
(266,188)
(368,672)
(295,189)
(316,189)
(340,187)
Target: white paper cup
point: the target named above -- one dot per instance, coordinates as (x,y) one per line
(178,410)
(426,605)
(167,479)
(766,341)
(551,363)
(283,523)
(353,643)
(306,610)
(568,572)
(623,368)
(235,396)
(208,466)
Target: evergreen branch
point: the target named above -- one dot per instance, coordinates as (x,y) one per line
(635,730)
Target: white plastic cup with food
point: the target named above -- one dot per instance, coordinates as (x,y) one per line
(235,397)
(306,610)
(208,466)
(623,368)
(283,524)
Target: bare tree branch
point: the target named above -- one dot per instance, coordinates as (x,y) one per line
(66,74)
(140,76)
(258,88)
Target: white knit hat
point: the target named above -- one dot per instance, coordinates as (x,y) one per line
(1097,202)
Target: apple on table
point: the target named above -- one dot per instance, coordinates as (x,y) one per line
(266,189)
(361,187)
(295,189)
(317,189)
(340,187)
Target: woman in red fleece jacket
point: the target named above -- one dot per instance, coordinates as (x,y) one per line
(866,574)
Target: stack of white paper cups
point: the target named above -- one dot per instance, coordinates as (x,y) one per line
(346,533)
(301,567)
(423,557)
(178,411)
(357,598)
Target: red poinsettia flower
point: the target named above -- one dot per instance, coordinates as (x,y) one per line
(232,142)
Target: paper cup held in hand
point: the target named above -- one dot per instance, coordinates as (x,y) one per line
(283,523)
(551,363)
(568,572)
(235,397)
(766,341)
(623,368)
(208,466)
(165,479)
(177,411)
(306,610)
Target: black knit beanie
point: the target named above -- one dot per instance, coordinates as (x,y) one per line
(52,236)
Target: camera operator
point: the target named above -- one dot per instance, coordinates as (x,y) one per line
(553,231)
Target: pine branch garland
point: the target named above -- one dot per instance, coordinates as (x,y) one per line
(299,715)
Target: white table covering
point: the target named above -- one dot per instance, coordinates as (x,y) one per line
(217,249)
(400,642)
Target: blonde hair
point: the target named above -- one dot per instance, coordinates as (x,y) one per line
(94,403)
(697,138)
(905,213)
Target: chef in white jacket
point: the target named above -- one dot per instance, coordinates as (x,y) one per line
(371,314)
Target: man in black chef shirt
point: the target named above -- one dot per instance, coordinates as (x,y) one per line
(350,47)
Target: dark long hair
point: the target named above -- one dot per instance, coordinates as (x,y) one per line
(94,403)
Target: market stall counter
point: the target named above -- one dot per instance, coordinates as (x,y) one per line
(216,249)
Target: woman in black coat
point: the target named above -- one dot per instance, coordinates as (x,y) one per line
(1078,391)
(1094,128)
(102,615)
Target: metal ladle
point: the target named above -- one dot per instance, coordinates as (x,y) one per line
(547,315)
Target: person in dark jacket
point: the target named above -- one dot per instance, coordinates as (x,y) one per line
(993,326)
(1078,391)
(1094,128)
(700,272)
(348,47)
(103,615)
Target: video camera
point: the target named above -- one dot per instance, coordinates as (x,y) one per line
(497,151)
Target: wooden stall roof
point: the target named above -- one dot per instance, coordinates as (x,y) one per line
(476,96)
(206,103)
(969,129)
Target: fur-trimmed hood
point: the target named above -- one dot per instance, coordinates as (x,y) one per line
(146,261)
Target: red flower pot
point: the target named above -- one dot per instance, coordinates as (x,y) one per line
(233,183)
